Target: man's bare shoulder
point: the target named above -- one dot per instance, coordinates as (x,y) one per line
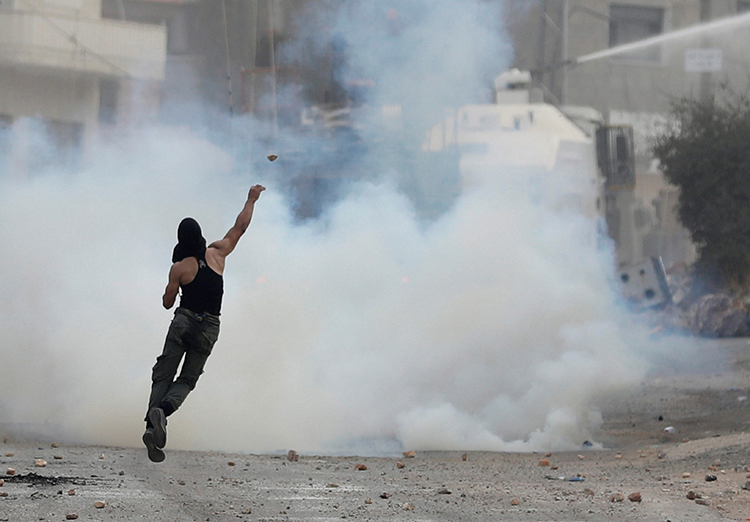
(185,264)
(215,258)
(184,270)
(220,247)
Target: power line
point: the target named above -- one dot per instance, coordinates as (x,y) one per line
(73,39)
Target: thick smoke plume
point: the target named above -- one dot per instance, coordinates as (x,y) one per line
(493,327)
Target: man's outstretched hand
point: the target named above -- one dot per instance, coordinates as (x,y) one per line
(255,191)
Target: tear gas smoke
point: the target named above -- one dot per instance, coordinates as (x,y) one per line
(494,327)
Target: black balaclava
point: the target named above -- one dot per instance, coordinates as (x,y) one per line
(190,242)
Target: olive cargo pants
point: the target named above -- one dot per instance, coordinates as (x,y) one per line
(191,336)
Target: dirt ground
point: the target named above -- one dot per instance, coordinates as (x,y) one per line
(697,473)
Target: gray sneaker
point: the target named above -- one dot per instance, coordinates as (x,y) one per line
(159,422)
(154,453)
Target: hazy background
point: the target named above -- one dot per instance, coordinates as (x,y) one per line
(495,327)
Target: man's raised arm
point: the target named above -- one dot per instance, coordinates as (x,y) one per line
(227,244)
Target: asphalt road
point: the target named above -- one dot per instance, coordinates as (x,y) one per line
(709,410)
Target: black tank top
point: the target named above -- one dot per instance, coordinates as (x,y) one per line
(203,294)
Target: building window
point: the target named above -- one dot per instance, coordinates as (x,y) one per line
(630,23)
(176,16)
(55,143)
(743,6)
(5,143)
(108,94)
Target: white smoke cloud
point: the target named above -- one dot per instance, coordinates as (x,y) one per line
(494,327)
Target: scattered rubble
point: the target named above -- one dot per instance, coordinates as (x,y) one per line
(711,315)
(718,315)
(635,497)
(641,481)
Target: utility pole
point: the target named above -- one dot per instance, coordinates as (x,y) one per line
(541,59)
(272,43)
(565,39)
(706,76)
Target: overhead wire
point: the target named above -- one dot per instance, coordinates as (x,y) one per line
(74,40)
(226,49)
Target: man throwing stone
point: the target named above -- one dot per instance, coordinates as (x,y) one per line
(198,271)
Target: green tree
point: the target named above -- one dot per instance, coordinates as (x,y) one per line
(706,153)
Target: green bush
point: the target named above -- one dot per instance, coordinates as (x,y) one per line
(705,151)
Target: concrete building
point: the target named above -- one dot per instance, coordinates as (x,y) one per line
(211,41)
(66,71)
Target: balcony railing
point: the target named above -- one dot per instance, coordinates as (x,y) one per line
(97,46)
